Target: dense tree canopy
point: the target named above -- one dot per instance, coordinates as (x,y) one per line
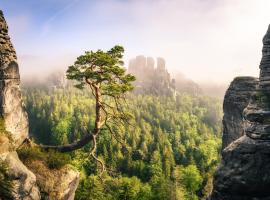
(168,152)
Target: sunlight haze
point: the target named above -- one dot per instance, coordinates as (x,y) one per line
(205,40)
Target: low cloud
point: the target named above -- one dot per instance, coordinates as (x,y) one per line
(205,40)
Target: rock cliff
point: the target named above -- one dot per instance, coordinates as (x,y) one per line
(14,120)
(14,131)
(150,79)
(11,107)
(244,170)
(236,99)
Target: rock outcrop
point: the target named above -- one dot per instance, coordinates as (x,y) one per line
(24,180)
(235,101)
(11,106)
(14,131)
(244,170)
(55,183)
(150,79)
(14,121)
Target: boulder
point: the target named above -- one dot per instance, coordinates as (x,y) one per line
(24,181)
(59,184)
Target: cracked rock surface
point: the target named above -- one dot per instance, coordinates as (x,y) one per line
(244,170)
(14,131)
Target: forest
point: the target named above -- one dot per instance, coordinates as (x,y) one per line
(134,100)
(169,150)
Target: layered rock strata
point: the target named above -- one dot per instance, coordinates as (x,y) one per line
(14,121)
(151,78)
(14,130)
(265,63)
(236,99)
(54,183)
(11,106)
(244,170)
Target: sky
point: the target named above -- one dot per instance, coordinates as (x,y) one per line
(206,40)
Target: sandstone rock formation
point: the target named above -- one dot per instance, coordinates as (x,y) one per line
(14,118)
(236,99)
(11,107)
(151,79)
(24,180)
(55,183)
(244,170)
(14,130)
(161,64)
(186,85)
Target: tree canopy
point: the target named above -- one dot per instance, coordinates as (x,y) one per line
(102,73)
(169,135)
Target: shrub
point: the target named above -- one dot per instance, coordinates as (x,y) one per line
(6,186)
(52,159)
(56,160)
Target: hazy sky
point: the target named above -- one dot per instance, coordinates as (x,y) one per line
(204,39)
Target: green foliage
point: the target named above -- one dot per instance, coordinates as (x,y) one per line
(6,186)
(169,140)
(104,70)
(191,179)
(121,188)
(52,159)
(2,126)
(4,132)
(263,98)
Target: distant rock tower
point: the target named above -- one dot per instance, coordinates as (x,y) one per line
(161,64)
(150,64)
(151,79)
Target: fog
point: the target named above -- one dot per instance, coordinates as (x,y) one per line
(207,41)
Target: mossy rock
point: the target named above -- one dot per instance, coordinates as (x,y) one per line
(263,98)
(6,140)
(6,186)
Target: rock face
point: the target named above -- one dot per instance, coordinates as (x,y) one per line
(59,184)
(14,118)
(236,99)
(24,180)
(244,170)
(14,130)
(11,107)
(265,63)
(151,79)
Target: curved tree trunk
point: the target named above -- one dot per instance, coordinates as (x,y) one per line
(88,137)
(70,147)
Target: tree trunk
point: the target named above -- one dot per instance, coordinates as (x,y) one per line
(70,147)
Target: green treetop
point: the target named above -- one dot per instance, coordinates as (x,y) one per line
(103,74)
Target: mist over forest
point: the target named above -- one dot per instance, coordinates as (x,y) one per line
(134,100)
(170,149)
(181,82)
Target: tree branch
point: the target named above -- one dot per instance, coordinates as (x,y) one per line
(70,147)
(93,155)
